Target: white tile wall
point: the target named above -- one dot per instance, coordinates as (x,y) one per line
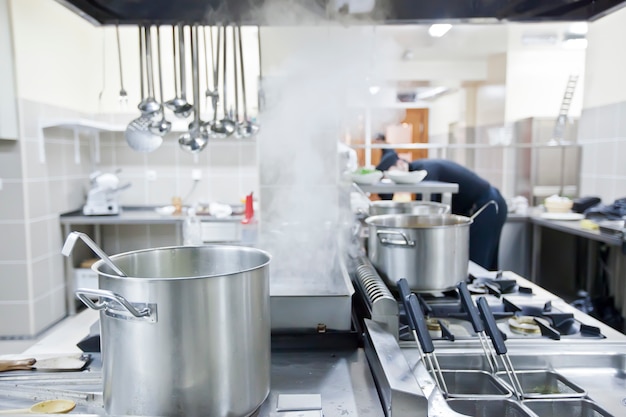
(603,168)
(36,192)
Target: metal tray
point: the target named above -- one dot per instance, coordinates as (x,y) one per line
(567,407)
(488,408)
(471,384)
(544,384)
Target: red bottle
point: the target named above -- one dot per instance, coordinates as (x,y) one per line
(249,210)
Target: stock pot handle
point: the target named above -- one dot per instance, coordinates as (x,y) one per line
(104,297)
(386,241)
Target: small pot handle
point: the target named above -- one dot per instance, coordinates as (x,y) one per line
(104,297)
(385,241)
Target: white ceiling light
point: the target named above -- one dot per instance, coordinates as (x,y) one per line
(575,43)
(439,29)
(431,92)
(374,89)
(578,28)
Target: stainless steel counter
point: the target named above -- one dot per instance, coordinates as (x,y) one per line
(597,366)
(341,379)
(135,215)
(129,215)
(425,188)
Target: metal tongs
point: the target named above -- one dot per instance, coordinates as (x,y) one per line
(477,324)
(424,342)
(499,346)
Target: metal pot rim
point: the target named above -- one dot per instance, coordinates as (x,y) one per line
(461,221)
(100,263)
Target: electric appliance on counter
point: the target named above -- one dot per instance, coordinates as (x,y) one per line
(102,198)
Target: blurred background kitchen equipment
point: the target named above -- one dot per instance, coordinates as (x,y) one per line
(102,198)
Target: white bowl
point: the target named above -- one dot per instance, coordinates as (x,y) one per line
(367,179)
(403,177)
(558,204)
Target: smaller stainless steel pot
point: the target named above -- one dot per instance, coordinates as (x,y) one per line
(407,207)
(431,252)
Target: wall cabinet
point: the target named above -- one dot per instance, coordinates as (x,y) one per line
(8,98)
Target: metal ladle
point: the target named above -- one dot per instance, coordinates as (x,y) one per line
(123,94)
(70,241)
(210,93)
(224,127)
(57,406)
(246,128)
(215,98)
(480,210)
(148,106)
(178,105)
(197,138)
(160,127)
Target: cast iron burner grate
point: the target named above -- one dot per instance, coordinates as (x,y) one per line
(551,323)
(495,286)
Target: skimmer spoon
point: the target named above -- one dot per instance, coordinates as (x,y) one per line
(138,134)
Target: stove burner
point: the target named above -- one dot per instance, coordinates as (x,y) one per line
(446,318)
(496,286)
(524,325)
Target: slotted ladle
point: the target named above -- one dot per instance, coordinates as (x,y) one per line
(70,241)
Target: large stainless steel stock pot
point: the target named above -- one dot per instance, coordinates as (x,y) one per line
(186,332)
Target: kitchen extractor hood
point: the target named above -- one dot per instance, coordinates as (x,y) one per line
(105,12)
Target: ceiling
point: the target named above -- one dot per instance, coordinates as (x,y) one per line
(105,12)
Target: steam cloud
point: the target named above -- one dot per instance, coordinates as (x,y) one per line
(311,100)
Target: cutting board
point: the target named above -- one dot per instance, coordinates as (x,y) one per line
(73,362)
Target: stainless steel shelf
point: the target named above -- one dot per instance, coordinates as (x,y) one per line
(425,188)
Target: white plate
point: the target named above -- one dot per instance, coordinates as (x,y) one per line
(563,216)
(367,179)
(403,177)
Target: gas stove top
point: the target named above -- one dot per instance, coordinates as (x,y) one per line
(517,317)
(524,312)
